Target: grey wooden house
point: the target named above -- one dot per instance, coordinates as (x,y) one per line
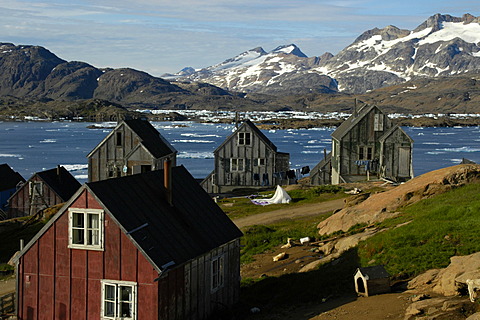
(133,146)
(247,158)
(371,280)
(43,190)
(368,145)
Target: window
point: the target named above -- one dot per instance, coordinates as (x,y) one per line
(217,273)
(85,229)
(119,300)
(261,162)
(378,122)
(118,140)
(365,153)
(36,188)
(244,138)
(237,164)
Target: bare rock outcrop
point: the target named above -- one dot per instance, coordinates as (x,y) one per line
(381,206)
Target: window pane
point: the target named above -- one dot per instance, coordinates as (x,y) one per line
(93,237)
(93,220)
(78,220)
(109,292)
(126,293)
(247,138)
(125,309)
(109,309)
(78,236)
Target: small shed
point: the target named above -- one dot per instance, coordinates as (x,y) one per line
(9,180)
(371,280)
(44,189)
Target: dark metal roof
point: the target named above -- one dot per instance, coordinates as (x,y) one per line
(348,124)
(9,178)
(191,227)
(60,181)
(374,272)
(151,138)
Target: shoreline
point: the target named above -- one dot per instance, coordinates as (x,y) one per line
(295,123)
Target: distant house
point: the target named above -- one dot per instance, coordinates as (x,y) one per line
(43,190)
(368,145)
(9,181)
(322,173)
(371,280)
(133,146)
(145,246)
(247,158)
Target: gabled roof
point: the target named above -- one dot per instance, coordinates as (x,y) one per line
(60,181)
(389,132)
(192,226)
(348,124)
(151,139)
(9,178)
(374,272)
(322,163)
(257,132)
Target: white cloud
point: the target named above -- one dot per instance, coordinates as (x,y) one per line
(160,36)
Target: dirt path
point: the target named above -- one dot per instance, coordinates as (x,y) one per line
(290,213)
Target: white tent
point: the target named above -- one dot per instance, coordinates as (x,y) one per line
(280,196)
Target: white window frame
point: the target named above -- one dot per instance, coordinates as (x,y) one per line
(35,188)
(117,299)
(235,164)
(260,160)
(242,138)
(86,228)
(217,272)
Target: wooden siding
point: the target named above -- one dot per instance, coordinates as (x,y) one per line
(253,173)
(19,203)
(373,130)
(129,153)
(65,283)
(391,164)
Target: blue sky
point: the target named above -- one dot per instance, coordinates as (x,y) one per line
(159,36)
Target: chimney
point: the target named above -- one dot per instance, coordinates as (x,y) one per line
(355,108)
(167,180)
(58,170)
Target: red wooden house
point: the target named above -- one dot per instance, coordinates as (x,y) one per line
(44,189)
(145,246)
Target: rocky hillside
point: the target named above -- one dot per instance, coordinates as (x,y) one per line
(443,45)
(381,206)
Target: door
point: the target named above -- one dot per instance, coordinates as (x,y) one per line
(404,162)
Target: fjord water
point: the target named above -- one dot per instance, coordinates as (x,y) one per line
(29,147)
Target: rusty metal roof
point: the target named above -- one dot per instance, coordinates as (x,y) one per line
(9,178)
(192,226)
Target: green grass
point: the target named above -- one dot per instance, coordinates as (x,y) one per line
(14,233)
(439,228)
(241,207)
(259,239)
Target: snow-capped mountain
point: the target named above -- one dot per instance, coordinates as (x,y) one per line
(441,46)
(285,68)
